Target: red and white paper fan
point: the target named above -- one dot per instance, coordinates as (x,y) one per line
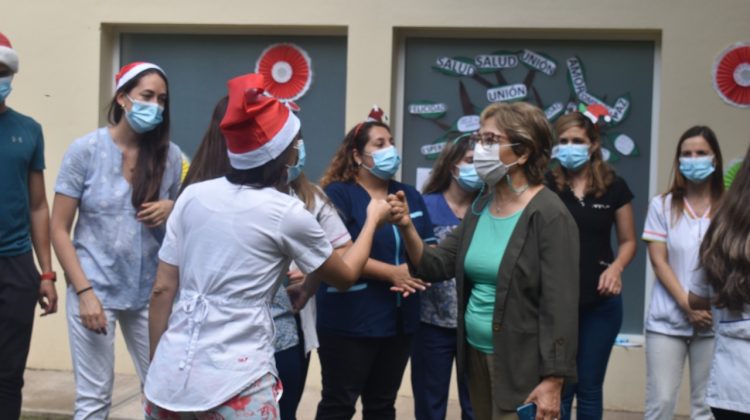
(731,75)
(287,71)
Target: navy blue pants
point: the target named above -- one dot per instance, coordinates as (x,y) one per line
(598,326)
(19,291)
(292,365)
(432,357)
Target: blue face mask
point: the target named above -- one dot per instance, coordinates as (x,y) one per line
(5,87)
(144,116)
(292,172)
(386,162)
(697,169)
(468,178)
(572,156)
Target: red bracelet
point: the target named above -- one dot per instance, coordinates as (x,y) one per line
(51,276)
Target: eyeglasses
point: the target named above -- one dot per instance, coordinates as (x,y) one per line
(487,139)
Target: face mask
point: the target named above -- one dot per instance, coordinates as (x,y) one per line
(572,156)
(144,116)
(488,164)
(5,87)
(468,178)
(386,162)
(697,169)
(292,172)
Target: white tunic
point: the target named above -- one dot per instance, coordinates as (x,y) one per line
(231,245)
(730,368)
(683,241)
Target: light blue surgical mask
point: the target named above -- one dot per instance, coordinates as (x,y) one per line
(293,171)
(468,178)
(5,87)
(386,162)
(144,116)
(697,169)
(573,156)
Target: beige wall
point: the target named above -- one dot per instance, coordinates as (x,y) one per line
(67,47)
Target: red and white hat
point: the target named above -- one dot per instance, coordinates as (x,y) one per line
(257,127)
(8,55)
(129,71)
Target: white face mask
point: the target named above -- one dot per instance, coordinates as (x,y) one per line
(488,164)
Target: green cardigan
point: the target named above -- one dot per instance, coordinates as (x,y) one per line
(535,321)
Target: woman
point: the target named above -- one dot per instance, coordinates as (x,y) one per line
(725,257)
(675,226)
(295,334)
(448,193)
(597,199)
(515,260)
(228,244)
(121,180)
(365,334)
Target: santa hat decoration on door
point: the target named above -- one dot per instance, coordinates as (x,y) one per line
(731,75)
(257,128)
(287,71)
(8,55)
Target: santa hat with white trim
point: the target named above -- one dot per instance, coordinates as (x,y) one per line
(257,128)
(8,55)
(129,71)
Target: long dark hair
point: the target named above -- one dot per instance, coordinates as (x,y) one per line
(152,148)
(725,251)
(600,174)
(678,188)
(343,168)
(211,160)
(442,173)
(270,174)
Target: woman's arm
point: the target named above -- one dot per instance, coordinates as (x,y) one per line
(698,303)
(657,252)
(91,311)
(610,281)
(160,308)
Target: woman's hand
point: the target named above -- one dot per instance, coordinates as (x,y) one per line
(298,295)
(378,210)
(404,283)
(91,312)
(154,213)
(399,209)
(610,282)
(295,276)
(47,297)
(546,396)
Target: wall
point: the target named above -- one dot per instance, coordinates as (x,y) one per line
(67,48)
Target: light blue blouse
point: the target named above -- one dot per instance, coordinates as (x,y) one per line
(117,253)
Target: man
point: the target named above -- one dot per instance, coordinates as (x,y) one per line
(24,222)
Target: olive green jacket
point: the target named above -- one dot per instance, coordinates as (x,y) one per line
(535,321)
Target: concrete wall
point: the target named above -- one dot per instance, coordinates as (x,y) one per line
(67,51)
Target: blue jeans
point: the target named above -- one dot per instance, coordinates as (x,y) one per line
(433,352)
(598,326)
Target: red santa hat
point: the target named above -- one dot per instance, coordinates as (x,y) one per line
(8,55)
(258,128)
(129,71)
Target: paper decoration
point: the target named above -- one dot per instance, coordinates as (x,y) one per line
(468,124)
(499,60)
(423,174)
(539,62)
(554,111)
(731,75)
(507,93)
(428,109)
(621,109)
(456,66)
(431,151)
(625,145)
(287,71)
(576,77)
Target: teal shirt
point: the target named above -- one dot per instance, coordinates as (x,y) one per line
(481,265)
(21,151)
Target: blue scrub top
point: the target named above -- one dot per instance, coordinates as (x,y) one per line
(369,308)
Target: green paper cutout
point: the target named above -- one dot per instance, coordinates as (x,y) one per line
(430,110)
(455,66)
